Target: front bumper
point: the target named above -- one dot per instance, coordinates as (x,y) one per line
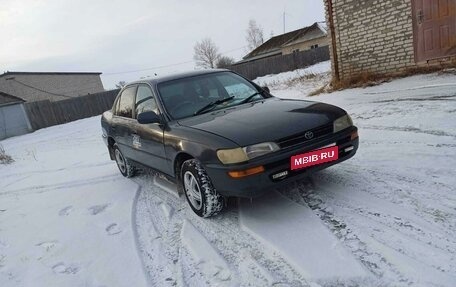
(258,184)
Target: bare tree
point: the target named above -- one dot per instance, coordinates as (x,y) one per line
(206,54)
(225,62)
(121,84)
(254,35)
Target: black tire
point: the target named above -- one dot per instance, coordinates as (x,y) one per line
(211,202)
(126,168)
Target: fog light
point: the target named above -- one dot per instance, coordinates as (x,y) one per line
(247,172)
(350,148)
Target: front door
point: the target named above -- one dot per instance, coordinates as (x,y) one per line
(148,138)
(434,23)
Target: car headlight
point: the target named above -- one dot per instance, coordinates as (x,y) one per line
(342,123)
(228,156)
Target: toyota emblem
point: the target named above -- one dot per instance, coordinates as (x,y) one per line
(309,135)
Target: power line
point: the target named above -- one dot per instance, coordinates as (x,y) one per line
(164,66)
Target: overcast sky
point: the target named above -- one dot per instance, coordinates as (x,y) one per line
(120,36)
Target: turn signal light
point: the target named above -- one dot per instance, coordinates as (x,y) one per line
(354,135)
(247,172)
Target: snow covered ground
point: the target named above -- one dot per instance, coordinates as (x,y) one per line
(65,213)
(299,83)
(386,217)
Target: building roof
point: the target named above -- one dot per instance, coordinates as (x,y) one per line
(6,99)
(273,46)
(53,86)
(8,73)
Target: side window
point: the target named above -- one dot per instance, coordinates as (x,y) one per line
(125,106)
(145,101)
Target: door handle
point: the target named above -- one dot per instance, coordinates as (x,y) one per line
(420,16)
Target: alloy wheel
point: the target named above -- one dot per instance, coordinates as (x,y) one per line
(192,190)
(120,161)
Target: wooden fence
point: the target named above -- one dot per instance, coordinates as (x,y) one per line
(45,113)
(281,63)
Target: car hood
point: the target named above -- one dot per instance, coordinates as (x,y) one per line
(264,121)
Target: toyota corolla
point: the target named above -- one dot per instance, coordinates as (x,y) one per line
(220,135)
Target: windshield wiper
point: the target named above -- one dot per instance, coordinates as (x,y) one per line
(212,105)
(249,98)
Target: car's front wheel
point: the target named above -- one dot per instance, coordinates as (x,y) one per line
(201,195)
(124,165)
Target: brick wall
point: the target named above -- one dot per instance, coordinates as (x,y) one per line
(375,36)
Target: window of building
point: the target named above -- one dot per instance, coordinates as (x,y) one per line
(314,46)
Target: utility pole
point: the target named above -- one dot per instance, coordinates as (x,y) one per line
(284,21)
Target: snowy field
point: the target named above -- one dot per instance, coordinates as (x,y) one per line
(386,217)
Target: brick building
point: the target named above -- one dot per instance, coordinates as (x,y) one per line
(389,36)
(53,86)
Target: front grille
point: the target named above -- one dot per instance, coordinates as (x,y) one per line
(300,138)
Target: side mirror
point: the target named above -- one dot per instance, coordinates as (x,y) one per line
(148,118)
(265,88)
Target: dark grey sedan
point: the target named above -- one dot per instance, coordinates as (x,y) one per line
(220,135)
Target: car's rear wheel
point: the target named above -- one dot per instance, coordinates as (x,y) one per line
(201,195)
(124,165)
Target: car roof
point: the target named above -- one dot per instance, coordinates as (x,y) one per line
(176,76)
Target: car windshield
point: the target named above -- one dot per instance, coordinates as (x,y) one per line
(195,95)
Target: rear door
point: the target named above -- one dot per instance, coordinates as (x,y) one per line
(123,123)
(148,138)
(434,23)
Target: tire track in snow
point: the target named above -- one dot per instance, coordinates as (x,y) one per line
(62,185)
(136,234)
(156,243)
(78,165)
(160,236)
(408,129)
(386,238)
(305,193)
(303,240)
(376,185)
(208,260)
